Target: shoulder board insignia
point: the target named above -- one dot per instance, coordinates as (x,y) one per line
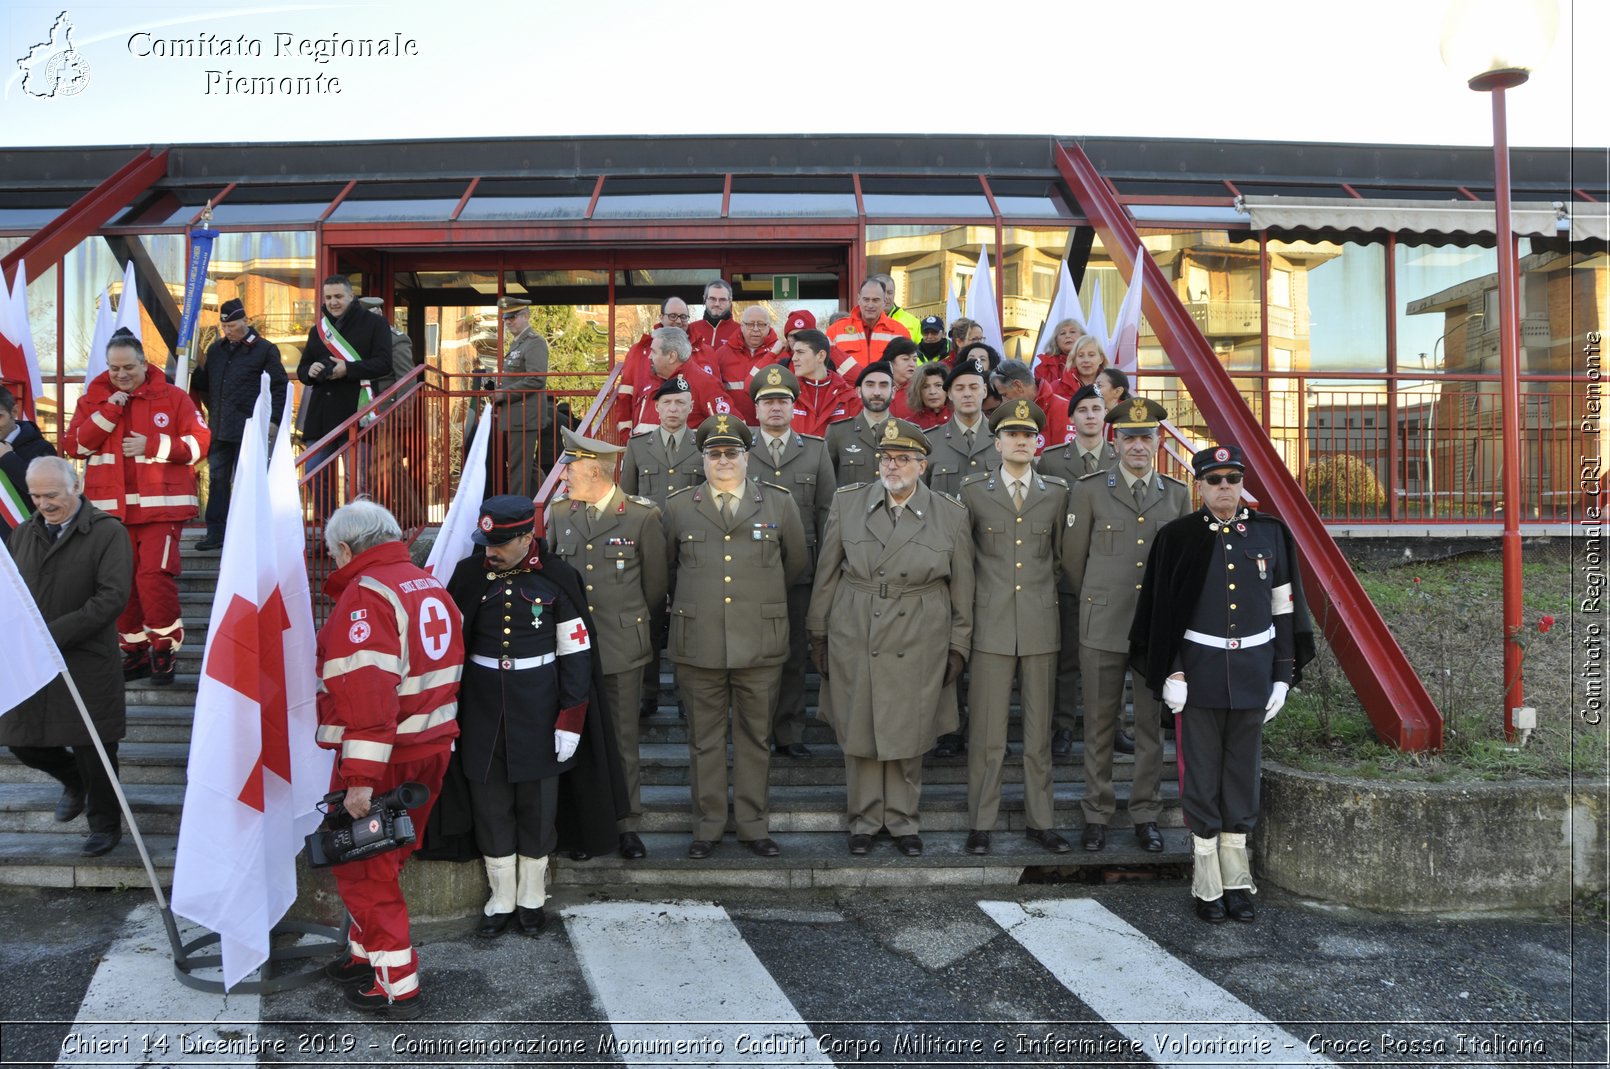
(642,433)
(645,502)
(679,490)
(813,437)
(849,486)
(560,499)
(1093,475)
(1112,477)
(1161,479)
(1054,480)
(774,486)
(951,498)
(977,476)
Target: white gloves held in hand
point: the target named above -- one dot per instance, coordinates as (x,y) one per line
(564,745)
(1277,698)
(1174,692)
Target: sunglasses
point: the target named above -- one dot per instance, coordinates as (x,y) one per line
(723,454)
(1233,478)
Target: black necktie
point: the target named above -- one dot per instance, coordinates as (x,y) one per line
(53,530)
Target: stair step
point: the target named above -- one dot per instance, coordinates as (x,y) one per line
(35,859)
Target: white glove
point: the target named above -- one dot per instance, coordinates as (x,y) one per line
(1277,698)
(1174,693)
(564,745)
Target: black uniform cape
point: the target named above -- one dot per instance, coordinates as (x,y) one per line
(1175,571)
(592,794)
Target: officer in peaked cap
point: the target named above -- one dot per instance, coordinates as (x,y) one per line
(800,463)
(736,547)
(525,410)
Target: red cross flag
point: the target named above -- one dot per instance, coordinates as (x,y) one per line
(29,658)
(255,773)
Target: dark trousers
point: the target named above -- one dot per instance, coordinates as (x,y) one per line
(658,631)
(788,716)
(1221,760)
(79,770)
(1067,701)
(221,457)
(514,818)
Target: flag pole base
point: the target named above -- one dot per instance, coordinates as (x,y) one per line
(185,961)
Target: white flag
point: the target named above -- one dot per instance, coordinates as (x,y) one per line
(1096,321)
(453,540)
(953,308)
(128,305)
(1065,306)
(1123,351)
(19,322)
(105,324)
(254,770)
(981,302)
(29,658)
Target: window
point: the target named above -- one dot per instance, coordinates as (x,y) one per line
(922,286)
(1045,283)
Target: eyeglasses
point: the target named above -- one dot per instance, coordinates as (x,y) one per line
(672,317)
(1233,478)
(723,454)
(897,460)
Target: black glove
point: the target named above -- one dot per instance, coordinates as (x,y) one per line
(818,645)
(953,667)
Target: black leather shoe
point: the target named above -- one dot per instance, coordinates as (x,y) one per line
(766,847)
(580,855)
(344,970)
(909,845)
(209,543)
(136,665)
(101,842)
(69,805)
(1062,743)
(649,707)
(375,1002)
(1238,904)
(796,750)
(632,848)
(978,842)
(1094,837)
(163,663)
(681,709)
(1150,839)
(699,849)
(531,921)
(494,925)
(951,745)
(1212,912)
(860,845)
(1123,742)
(1050,839)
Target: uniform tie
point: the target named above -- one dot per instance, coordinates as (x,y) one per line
(895,511)
(592,513)
(1090,463)
(726,505)
(670,445)
(776,452)
(1017,497)
(1138,488)
(967,440)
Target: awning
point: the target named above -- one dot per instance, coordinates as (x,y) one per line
(1454,218)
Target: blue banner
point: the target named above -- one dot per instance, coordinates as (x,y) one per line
(195,283)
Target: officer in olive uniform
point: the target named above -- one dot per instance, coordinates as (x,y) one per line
(617,543)
(526,418)
(852,444)
(1113,518)
(735,546)
(1072,461)
(521,708)
(1019,519)
(963,446)
(1222,633)
(800,463)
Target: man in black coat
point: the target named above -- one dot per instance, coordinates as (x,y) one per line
(347,349)
(230,378)
(20,442)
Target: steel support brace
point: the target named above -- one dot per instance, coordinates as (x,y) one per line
(87,215)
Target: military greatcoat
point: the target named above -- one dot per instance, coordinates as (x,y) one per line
(952,460)
(621,559)
(648,471)
(852,447)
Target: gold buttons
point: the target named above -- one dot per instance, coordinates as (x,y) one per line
(1017,588)
(726,538)
(1232,567)
(589,567)
(1232,604)
(1232,586)
(589,546)
(1020,541)
(1137,586)
(589,586)
(506,631)
(1138,542)
(727,600)
(1138,519)
(728,579)
(728,557)
(1020,519)
(1020,564)
(506,619)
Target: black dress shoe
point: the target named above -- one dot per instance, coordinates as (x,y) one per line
(1238,904)
(1050,839)
(699,849)
(766,847)
(376,1003)
(69,805)
(209,543)
(1212,912)
(344,970)
(1150,839)
(101,842)
(136,665)
(632,847)
(1062,743)
(1123,742)
(163,664)
(909,845)
(648,708)
(1094,837)
(796,750)
(860,845)
(978,842)
(494,925)
(950,745)
(532,921)
(580,855)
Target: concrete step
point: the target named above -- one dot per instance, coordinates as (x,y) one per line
(30,859)
(137,762)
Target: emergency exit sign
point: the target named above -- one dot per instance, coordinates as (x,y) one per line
(785,287)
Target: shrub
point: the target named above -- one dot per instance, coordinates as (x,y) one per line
(1343,485)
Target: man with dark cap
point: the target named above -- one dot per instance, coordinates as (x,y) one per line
(522,708)
(524,408)
(963,446)
(891,625)
(230,377)
(617,543)
(1113,518)
(1221,633)
(735,547)
(1019,521)
(798,462)
(1088,452)
(932,343)
(852,443)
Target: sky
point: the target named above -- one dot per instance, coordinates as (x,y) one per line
(1368,71)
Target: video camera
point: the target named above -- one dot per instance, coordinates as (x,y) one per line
(342,838)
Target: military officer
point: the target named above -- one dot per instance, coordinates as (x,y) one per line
(1221,632)
(659,460)
(1088,451)
(1019,519)
(617,543)
(962,446)
(1113,518)
(735,546)
(891,625)
(525,415)
(852,443)
(798,462)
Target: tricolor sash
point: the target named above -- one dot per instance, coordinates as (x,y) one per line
(13,505)
(339,346)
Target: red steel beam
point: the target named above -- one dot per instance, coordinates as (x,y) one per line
(88,214)
(1393,696)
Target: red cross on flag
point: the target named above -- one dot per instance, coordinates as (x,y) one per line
(255,772)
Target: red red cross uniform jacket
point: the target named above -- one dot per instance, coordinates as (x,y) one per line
(160,484)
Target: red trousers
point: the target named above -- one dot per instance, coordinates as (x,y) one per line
(372,895)
(152,617)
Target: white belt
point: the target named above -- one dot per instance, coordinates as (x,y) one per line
(515,664)
(1230,643)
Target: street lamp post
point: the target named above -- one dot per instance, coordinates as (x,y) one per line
(1494,45)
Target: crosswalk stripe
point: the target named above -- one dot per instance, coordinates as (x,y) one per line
(134,987)
(680,986)
(1113,968)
